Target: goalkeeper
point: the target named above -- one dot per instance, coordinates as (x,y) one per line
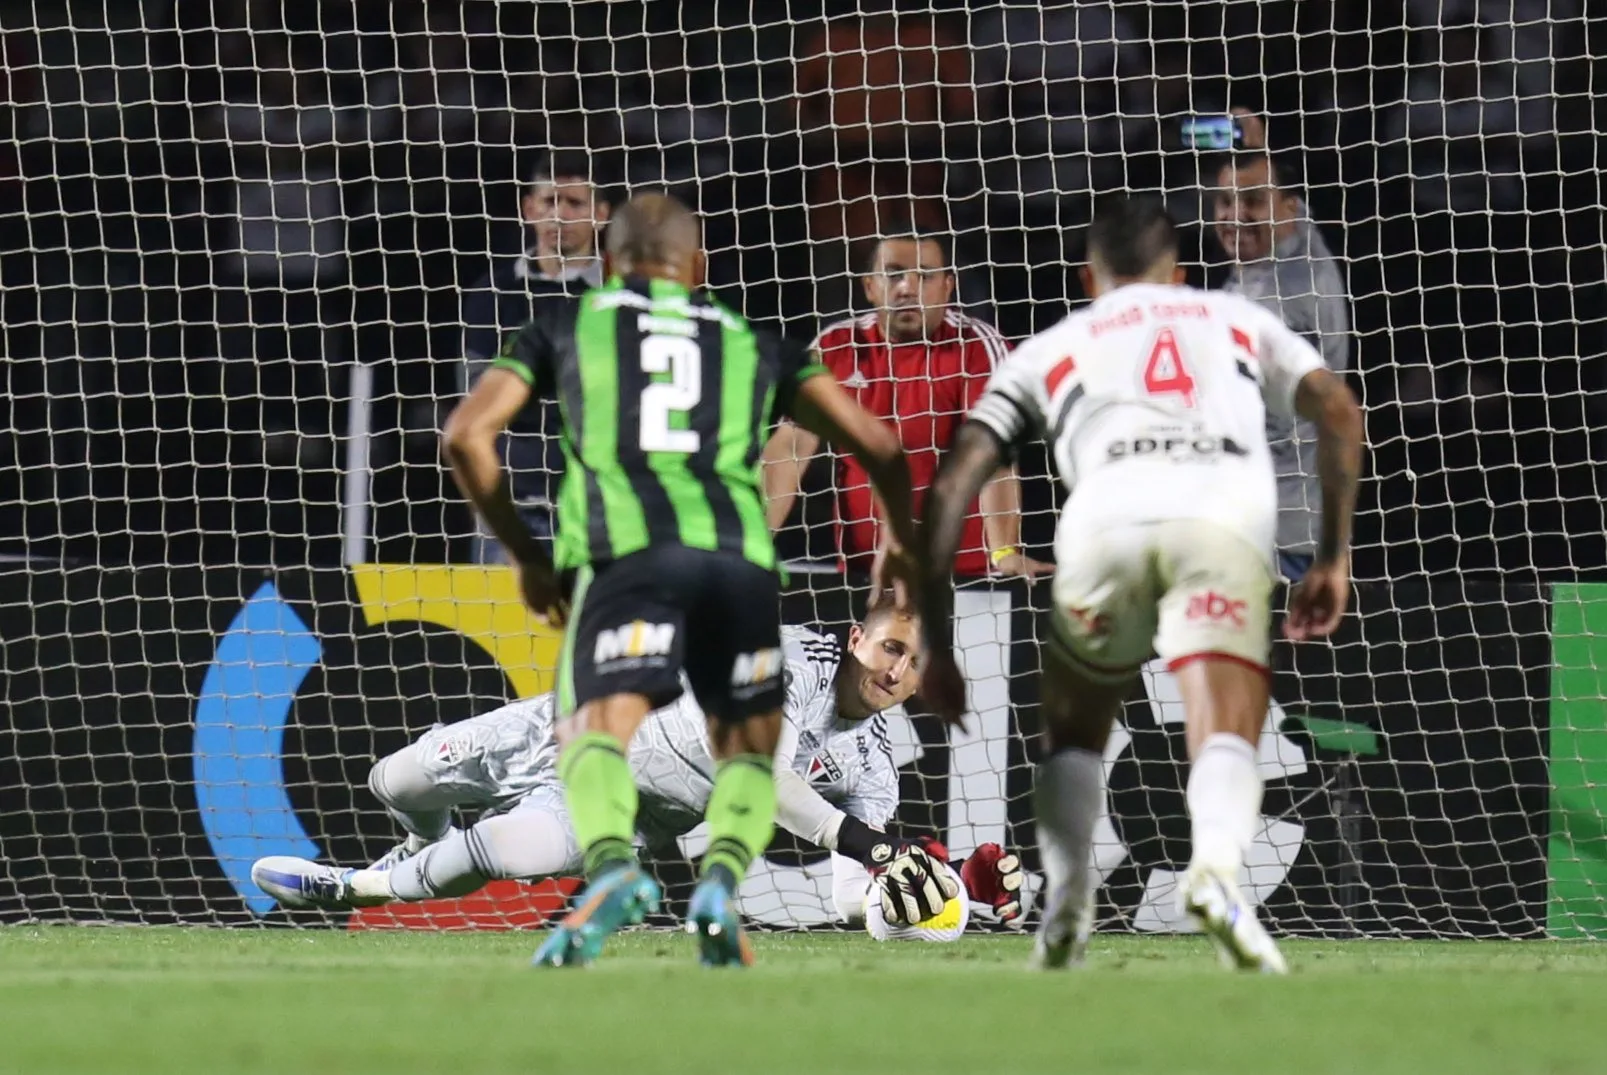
(837,788)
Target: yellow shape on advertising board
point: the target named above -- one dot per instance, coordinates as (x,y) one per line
(479,602)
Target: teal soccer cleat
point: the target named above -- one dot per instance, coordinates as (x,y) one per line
(620,898)
(713,917)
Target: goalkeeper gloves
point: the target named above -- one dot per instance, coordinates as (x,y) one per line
(994,878)
(991,877)
(917,884)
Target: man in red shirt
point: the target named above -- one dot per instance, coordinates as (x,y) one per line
(919,364)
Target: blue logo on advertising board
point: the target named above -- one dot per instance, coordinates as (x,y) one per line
(246,699)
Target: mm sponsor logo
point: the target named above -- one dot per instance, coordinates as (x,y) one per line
(1215,608)
(634,640)
(756,668)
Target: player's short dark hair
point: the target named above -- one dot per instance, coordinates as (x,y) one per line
(563,164)
(1283,168)
(653,226)
(1130,233)
(908,233)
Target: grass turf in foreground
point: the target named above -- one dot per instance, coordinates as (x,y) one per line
(182,1001)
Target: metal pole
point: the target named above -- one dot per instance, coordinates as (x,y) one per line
(354,488)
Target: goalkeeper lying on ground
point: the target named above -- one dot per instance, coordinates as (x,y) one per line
(839,791)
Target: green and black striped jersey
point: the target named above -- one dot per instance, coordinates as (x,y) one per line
(667,397)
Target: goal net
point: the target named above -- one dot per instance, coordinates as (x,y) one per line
(252,253)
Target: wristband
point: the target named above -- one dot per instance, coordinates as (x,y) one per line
(998,556)
(872,848)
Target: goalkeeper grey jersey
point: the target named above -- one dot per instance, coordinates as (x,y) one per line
(849,763)
(496,759)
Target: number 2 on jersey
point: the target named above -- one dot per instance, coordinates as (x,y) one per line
(682,359)
(1164,373)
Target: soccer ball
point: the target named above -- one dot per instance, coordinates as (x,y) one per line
(947,925)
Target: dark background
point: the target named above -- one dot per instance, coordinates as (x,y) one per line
(125,440)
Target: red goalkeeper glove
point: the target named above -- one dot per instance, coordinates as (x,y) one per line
(994,878)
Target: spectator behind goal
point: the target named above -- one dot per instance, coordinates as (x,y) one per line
(564,210)
(1281,262)
(919,364)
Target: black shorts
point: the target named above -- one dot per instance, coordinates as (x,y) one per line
(637,623)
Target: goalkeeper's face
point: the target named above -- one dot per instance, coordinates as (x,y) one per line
(886,651)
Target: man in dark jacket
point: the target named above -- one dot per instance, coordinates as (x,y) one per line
(564,208)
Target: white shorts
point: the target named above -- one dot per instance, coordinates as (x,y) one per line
(1180,589)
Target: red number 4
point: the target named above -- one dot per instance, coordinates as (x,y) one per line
(1164,373)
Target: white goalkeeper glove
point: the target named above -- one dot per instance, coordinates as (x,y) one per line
(915,886)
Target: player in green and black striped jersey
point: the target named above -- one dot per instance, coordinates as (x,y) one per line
(663,562)
(661,389)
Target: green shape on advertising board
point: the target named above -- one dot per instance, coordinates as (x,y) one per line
(1577,903)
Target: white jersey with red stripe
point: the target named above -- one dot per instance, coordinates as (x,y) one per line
(1154,400)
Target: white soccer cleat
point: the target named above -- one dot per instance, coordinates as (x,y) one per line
(301,884)
(1217,907)
(1063,934)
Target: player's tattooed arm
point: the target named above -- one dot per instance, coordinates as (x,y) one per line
(977,454)
(469,443)
(824,409)
(1318,601)
(1323,397)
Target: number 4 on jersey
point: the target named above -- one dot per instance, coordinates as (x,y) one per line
(1164,373)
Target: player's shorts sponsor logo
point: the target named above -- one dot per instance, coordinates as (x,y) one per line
(1181,447)
(757,668)
(823,769)
(634,642)
(1216,608)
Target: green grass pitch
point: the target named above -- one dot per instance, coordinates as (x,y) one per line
(173,1001)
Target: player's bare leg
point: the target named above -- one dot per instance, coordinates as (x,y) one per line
(1079,707)
(741,817)
(601,794)
(1224,703)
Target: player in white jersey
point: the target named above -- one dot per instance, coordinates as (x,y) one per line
(1153,400)
(837,789)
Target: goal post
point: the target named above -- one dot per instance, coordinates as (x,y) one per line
(250,254)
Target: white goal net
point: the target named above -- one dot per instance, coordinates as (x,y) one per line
(251,253)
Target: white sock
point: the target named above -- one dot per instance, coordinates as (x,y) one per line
(370,884)
(1224,799)
(1068,796)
